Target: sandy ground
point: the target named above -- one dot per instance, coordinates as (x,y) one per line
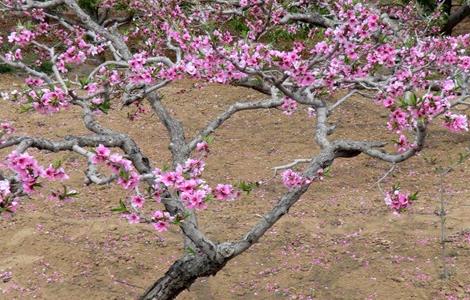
(338,242)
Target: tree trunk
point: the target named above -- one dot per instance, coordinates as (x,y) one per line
(447,7)
(455,18)
(181,275)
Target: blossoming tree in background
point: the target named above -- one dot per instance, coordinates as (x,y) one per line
(297,54)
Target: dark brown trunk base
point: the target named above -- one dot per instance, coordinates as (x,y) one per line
(181,275)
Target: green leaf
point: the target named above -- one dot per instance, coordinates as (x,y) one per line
(209,139)
(327,171)
(124,174)
(190,251)
(414,196)
(463,157)
(247,187)
(105,106)
(84,81)
(57,163)
(46,67)
(37,184)
(459,82)
(26,107)
(209,198)
(122,207)
(411,99)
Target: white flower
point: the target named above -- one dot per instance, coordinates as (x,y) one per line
(5,187)
(190,68)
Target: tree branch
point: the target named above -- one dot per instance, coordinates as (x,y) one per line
(234,108)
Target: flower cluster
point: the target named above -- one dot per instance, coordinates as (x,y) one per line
(21,37)
(29,171)
(455,123)
(5,129)
(48,101)
(225,192)
(399,201)
(185,182)
(292,179)
(162,220)
(127,176)
(55,173)
(193,190)
(27,168)
(7,202)
(288,106)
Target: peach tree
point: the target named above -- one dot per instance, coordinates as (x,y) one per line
(295,53)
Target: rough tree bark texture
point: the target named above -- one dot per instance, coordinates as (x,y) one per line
(181,275)
(455,18)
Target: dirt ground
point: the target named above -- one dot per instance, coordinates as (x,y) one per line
(338,242)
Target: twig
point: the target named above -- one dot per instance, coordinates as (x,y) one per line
(292,164)
(390,171)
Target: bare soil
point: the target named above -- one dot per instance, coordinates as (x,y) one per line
(338,242)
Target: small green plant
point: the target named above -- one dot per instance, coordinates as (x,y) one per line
(45,67)
(4,69)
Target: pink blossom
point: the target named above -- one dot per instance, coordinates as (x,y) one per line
(170,179)
(190,68)
(97,100)
(388,102)
(7,128)
(398,201)
(52,173)
(402,143)
(455,123)
(448,85)
(118,163)
(162,220)
(51,101)
(202,147)
(157,192)
(289,106)
(194,167)
(129,181)
(114,78)
(13,205)
(72,56)
(137,201)
(27,168)
(101,154)
(187,185)
(91,88)
(133,218)
(194,199)
(22,38)
(291,179)
(32,81)
(137,62)
(225,192)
